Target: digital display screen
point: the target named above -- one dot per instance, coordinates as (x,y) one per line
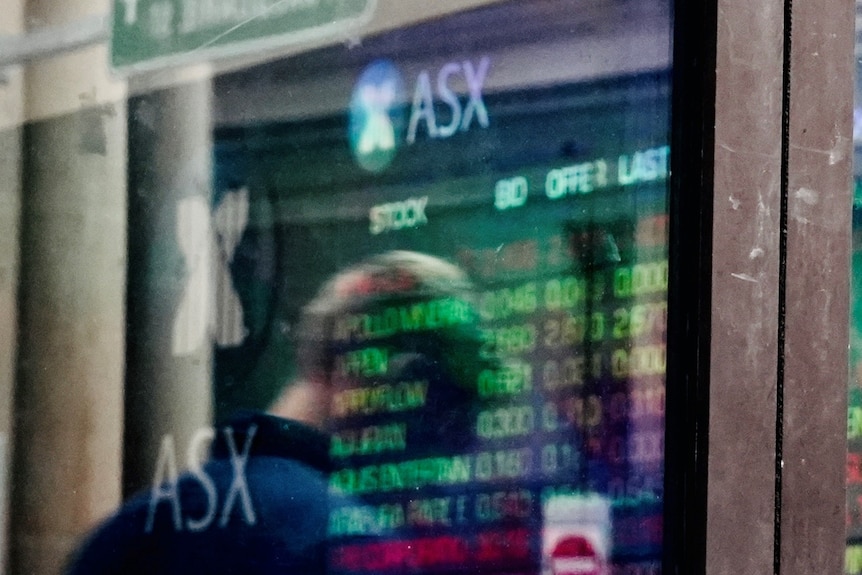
(551,196)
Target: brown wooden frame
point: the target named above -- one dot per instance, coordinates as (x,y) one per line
(781,208)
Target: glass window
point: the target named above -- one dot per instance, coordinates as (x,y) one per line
(397,302)
(527,145)
(853,560)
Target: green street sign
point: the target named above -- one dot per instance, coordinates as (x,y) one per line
(150,34)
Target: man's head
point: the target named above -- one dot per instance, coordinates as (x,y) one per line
(396,317)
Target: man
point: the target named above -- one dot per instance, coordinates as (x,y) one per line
(261,502)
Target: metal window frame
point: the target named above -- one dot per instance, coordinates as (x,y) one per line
(760,290)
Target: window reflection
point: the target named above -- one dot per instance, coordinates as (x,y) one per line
(853,559)
(438,260)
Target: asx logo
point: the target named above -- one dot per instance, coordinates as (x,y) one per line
(376,117)
(452,103)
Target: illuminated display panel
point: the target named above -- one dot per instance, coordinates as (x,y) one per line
(527,144)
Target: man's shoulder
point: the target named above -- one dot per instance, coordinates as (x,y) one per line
(263,493)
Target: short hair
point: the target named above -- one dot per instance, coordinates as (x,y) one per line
(386,281)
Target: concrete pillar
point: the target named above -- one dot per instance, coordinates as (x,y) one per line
(69,393)
(11,120)
(171,295)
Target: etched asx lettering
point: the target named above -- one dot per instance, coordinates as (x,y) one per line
(166,483)
(459,117)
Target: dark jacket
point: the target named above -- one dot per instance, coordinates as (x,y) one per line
(259,505)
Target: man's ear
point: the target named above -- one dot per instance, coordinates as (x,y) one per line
(307,401)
